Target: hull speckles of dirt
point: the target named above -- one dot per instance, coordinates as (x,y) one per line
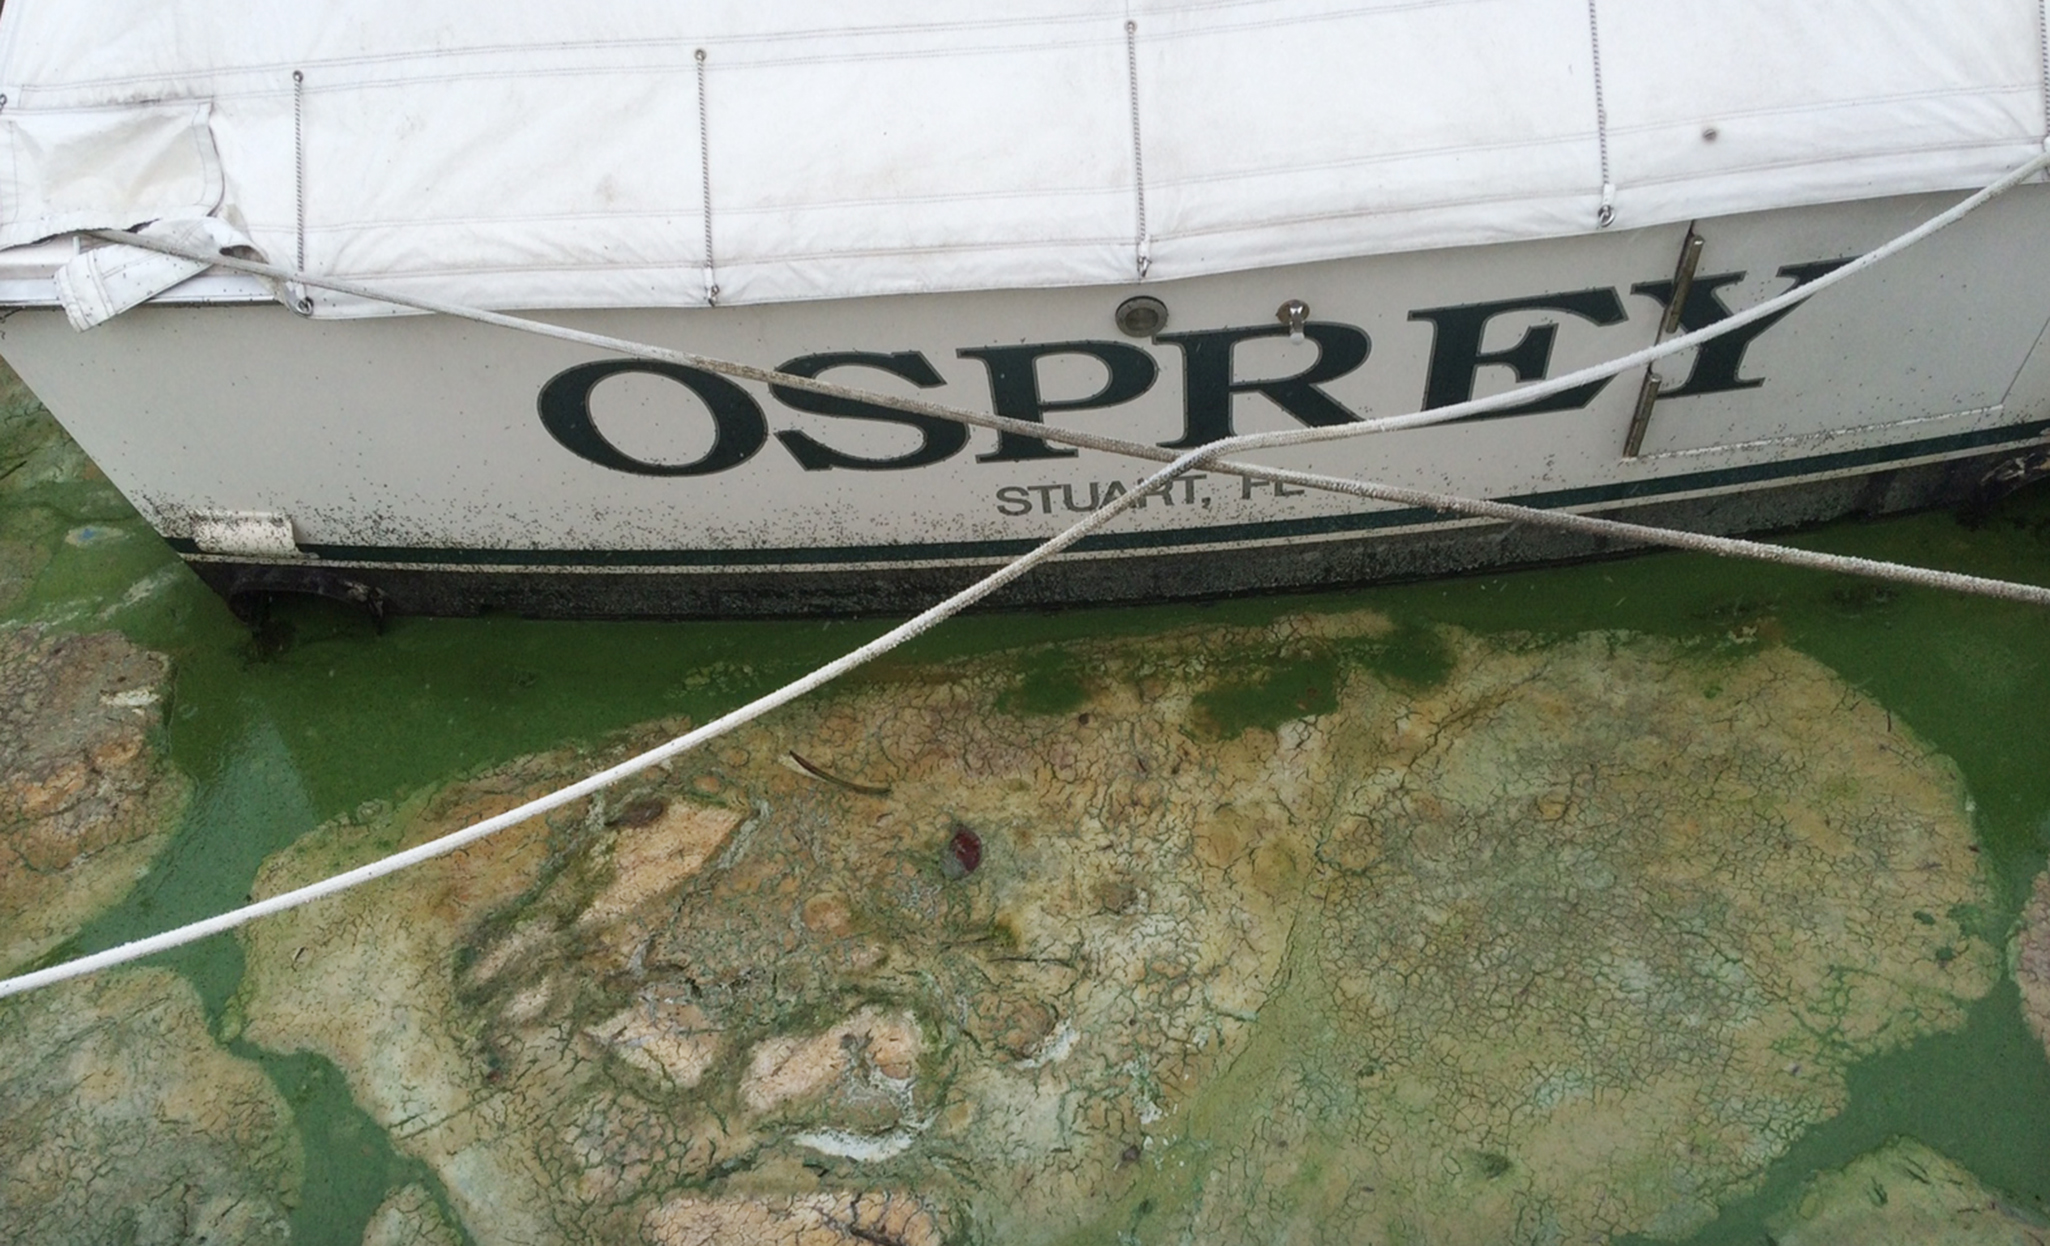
(85,799)
(1273,937)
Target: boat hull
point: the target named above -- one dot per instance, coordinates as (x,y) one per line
(435,466)
(580,592)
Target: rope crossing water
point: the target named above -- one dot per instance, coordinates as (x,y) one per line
(1211,457)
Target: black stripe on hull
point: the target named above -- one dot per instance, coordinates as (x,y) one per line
(1318,553)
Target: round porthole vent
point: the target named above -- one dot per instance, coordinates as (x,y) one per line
(1142,316)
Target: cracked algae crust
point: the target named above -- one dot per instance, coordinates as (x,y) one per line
(86,799)
(2029,958)
(122,1121)
(1903,1194)
(409,1217)
(1528,943)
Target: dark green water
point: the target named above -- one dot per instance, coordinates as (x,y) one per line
(323,715)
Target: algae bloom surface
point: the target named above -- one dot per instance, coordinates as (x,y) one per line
(1570,941)
(1665,900)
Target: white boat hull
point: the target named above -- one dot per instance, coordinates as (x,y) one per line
(434,465)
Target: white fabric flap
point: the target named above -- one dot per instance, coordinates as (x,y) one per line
(104,168)
(100,284)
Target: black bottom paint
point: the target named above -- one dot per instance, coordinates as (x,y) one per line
(1365,557)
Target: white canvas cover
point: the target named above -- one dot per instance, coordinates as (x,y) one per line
(86,168)
(531,154)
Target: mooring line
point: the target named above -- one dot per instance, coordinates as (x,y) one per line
(1210,455)
(1672,538)
(392,864)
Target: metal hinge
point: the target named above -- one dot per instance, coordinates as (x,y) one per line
(1648,390)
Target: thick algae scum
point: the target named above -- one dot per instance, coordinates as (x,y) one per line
(1662,899)
(1551,951)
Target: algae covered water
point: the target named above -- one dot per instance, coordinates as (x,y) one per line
(1662,899)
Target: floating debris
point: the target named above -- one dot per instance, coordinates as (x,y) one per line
(93,534)
(963,855)
(639,812)
(866,789)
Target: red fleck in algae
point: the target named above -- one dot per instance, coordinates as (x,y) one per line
(964,853)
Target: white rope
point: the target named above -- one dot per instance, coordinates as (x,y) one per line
(1697,542)
(634,765)
(1205,455)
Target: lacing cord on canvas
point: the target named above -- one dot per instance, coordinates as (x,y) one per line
(1211,457)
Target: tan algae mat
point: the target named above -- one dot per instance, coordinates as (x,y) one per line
(1316,932)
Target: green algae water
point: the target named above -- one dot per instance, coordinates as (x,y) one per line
(321,720)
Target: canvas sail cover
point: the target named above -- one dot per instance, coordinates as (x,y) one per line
(648,153)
